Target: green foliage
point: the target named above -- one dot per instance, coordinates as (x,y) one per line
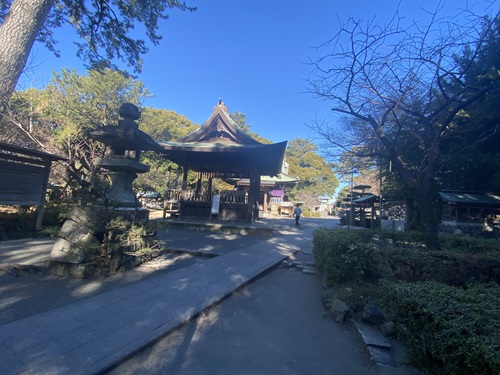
(106,29)
(86,102)
(469,244)
(447,330)
(344,255)
(446,303)
(62,115)
(315,174)
(126,244)
(449,267)
(241,121)
(308,213)
(461,261)
(405,239)
(163,125)
(17,222)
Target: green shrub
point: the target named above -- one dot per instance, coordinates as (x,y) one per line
(414,238)
(17,222)
(449,267)
(447,330)
(468,244)
(344,255)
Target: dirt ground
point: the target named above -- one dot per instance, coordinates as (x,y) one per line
(27,292)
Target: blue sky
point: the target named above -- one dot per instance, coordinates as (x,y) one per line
(252,54)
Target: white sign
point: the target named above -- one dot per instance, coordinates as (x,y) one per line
(215,205)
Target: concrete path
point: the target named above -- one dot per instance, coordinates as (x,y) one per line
(276,325)
(88,336)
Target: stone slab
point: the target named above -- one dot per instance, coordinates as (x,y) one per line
(379,369)
(371,336)
(310,270)
(381,356)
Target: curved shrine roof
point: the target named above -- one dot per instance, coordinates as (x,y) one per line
(220,148)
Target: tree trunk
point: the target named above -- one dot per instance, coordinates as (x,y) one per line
(17,35)
(426,205)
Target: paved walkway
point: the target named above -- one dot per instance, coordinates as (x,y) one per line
(89,336)
(33,252)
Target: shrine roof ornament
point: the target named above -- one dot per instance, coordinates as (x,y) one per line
(220,128)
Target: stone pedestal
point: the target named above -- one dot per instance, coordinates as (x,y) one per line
(75,241)
(122,172)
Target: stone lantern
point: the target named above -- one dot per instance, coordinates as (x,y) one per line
(126,142)
(70,253)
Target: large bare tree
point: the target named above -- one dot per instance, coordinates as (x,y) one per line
(398,91)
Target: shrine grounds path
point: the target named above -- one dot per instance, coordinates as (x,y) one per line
(235,313)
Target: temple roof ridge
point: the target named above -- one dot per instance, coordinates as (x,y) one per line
(220,128)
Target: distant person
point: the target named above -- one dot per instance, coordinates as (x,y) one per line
(296,213)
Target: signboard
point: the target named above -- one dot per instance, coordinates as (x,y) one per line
(215,205)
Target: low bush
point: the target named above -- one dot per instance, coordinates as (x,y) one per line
(17,222)
(344,255)
(447,302)
(447,330)
(468,244)
(406,239)
(449,267)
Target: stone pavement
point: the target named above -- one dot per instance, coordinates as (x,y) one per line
(89,336)
(32,252)
(154,324)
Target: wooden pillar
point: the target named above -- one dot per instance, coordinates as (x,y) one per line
(183,191)
(264,203)
(257,196)
(251,196)
(198,184)
(210,185)
(373,216)
(184,178)
(41,206)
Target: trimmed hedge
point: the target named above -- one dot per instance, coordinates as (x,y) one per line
(447,303)
(468,244)
(344,255)
(449,267)
(448,330)
(353,255)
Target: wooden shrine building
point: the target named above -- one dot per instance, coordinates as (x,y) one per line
(24,176)
(272,192)
(220,149)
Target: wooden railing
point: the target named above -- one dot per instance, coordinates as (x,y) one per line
(226,197)
(233,197)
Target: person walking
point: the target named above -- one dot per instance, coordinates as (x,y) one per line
(296,213)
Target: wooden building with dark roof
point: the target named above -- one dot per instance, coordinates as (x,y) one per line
(220,149)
